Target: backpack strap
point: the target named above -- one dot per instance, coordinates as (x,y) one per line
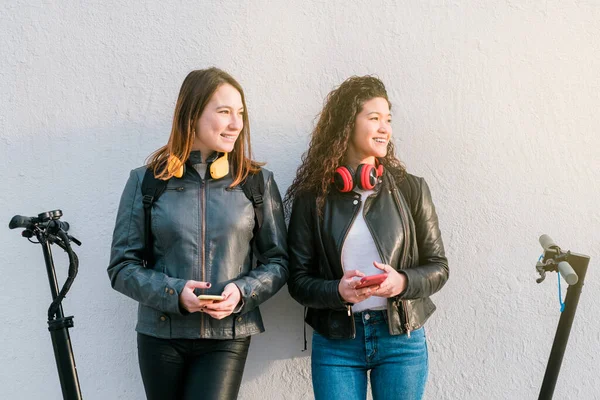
(152,189)
(254,188)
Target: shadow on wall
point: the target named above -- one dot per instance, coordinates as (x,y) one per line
(283,337)
(79,187)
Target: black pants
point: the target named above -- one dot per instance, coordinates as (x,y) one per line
(186,369)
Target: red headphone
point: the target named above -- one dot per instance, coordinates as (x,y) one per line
(366,177)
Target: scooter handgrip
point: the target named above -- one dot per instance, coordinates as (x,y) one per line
(19,221)
(547,242)
(567,272)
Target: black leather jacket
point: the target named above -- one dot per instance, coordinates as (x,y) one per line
(202,230)
(404,226)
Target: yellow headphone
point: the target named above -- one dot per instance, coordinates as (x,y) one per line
(218,168)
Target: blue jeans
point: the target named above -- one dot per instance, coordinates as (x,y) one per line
(398,365)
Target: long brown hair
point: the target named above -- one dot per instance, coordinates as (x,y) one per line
(196,91)
(329,140)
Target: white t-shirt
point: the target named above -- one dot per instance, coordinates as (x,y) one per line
(359,251)
(201,168)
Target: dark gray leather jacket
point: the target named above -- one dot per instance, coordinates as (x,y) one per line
(404,225)
(201,231)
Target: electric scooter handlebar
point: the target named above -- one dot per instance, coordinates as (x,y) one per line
(565,269)
(54,225)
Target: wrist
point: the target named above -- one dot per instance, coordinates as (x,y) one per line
(182,308)
(340,297)
(237,290)
(403,284)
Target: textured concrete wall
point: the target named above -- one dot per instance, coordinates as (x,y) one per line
(495,103)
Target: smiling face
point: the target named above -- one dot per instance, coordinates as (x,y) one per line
(220,123)
(372,133)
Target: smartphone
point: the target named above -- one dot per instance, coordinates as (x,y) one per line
(214,297)
(371,280)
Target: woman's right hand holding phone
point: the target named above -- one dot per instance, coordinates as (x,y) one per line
(188,300)
(348,291)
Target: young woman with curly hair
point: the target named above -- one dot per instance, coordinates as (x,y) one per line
(356,212)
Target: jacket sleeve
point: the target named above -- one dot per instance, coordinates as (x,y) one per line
(265,280)
(432,272)
(125,270)
(304,285)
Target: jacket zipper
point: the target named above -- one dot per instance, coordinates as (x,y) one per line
(407,324)
(404,255)
(202,246)
(348,306)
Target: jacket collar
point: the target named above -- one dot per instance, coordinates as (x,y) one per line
(196,157)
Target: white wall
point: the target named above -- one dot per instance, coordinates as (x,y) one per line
(495,104)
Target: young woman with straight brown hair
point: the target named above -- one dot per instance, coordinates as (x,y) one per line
(203,233)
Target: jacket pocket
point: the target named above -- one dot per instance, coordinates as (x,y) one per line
(153,322)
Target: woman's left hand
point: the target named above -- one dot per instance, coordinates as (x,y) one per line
(224,308)
(394,284)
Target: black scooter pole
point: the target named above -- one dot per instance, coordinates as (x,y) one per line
(580,264)
(59,333)
(573,268)
(49,230)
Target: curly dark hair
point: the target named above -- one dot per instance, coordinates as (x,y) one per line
(329,140)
